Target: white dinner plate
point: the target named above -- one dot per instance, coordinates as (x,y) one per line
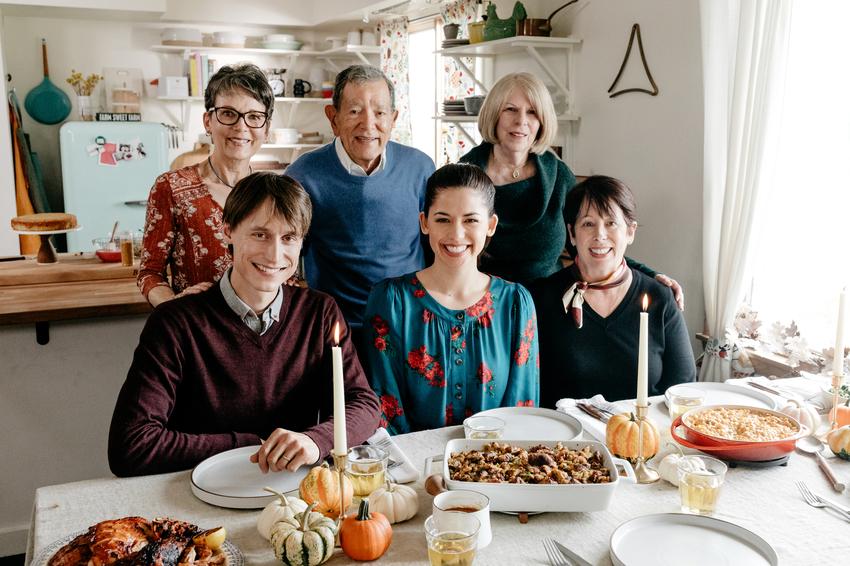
(230,480)
(727,394)
(675,539)
(231,552)
(524,423)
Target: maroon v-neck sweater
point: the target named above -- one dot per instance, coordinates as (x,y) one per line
(202,382)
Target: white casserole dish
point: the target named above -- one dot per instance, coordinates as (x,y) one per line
(182,36)
(530,498)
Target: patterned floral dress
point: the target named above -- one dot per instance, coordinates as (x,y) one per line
(432,367)
(182,228)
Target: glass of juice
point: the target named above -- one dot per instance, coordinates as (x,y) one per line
(483,427)
(452,538)
(700,481)
(683,398)
(366,468)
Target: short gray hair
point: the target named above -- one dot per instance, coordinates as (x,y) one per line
(358,74)
(248,78)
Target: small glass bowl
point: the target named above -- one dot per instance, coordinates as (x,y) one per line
(107,250)
(483,427)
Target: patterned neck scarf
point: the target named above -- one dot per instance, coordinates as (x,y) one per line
(574,297)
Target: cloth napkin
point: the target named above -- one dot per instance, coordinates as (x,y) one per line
(594,427)
(405,472)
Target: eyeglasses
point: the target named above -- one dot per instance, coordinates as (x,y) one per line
(228,116)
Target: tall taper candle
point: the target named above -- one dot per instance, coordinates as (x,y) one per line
(340,441)
(838,358)
(643,374)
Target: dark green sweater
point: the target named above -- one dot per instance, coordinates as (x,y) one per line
(532,231)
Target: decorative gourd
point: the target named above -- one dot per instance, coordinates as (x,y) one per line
(668,467)
(304,540)
(321,486)
(843,412)
(285,507)
(806,414)
(395,502)
(839,442)
(365,536)
(621,437)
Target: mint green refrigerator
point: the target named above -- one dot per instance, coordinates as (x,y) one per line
(108,170)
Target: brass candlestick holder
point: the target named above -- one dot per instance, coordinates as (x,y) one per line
(837,381)
(643,473)
(340,462)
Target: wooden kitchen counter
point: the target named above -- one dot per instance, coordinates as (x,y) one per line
(79,286)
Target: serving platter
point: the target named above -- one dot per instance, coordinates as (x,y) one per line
(233,556)
(522,423)
(727,394)
(231,480)
(687,539)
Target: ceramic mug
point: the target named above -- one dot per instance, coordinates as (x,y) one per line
(472,502)
(298,90)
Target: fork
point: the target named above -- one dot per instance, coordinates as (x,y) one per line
(816,501)
(603,411)
(554,555)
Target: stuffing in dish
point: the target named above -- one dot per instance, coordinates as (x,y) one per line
(741,424)
(502,463)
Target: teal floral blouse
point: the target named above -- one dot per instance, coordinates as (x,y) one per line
(432,367)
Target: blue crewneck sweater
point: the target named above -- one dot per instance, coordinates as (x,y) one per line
(364,229)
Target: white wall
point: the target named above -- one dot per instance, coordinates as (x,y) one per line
(652,143)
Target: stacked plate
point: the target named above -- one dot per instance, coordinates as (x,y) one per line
(453,108)
(287,45)
(454,43)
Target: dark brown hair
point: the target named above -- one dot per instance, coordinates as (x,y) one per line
(288,198)
(460,176)
(602,192)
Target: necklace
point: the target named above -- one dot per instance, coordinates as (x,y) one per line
(209,160)
(516,169)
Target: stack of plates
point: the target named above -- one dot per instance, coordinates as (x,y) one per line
(454,42)
(453,108)
(287,45)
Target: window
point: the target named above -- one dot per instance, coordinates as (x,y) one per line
(804,254)
(423,85)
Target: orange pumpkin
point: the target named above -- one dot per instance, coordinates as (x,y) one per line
(365,536)
(321,486)
(621,437)
(843,412)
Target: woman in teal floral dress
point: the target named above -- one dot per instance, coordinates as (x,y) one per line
(449,341)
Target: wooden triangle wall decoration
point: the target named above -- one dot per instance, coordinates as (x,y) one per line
(635,31)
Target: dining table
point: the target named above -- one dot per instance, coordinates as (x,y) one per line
(763,500)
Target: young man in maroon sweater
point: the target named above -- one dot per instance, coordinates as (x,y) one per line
(245,363)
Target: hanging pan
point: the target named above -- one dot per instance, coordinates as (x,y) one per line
(538,26)
(46,103)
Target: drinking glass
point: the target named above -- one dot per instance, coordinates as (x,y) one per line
(366,468)
(700,481)
(483,427)
(682,398)
(452,538)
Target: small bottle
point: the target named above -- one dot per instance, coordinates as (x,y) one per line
(126,239)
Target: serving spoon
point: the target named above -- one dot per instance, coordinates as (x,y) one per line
(814,446)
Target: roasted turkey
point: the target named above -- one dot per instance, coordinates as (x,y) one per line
(133,541)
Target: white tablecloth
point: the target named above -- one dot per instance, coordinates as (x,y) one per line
(765,501)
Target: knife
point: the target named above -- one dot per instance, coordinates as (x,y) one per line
(767,389)
(592,412)
(572,555)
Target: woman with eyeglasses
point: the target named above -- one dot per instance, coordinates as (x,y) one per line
(184,214)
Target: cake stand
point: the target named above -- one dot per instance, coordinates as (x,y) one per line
(46,253)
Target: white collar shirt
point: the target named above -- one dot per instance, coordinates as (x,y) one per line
(354,168)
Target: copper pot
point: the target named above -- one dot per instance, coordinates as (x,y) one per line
(537,26)
(727,449)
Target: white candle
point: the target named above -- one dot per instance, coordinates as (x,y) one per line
(838,358)
(340,441)
(643,374)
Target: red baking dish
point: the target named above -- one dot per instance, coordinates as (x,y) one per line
(737,449)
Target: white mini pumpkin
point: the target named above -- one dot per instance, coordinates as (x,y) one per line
(669,465)
(804,413)
(304,540)
(396,502)
(284,508)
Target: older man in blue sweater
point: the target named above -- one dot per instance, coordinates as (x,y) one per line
(367,193)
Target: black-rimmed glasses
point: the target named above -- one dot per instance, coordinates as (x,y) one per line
(228,116)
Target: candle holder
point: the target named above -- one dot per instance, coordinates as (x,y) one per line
(643,473)
(837,381)
(340,461)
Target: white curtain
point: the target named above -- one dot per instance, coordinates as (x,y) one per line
(744,47)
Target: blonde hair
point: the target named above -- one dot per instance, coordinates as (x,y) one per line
(536,92)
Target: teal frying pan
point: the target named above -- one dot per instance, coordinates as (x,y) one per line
(46,103)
